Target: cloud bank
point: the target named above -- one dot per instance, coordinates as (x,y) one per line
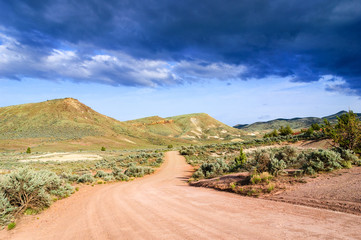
(152,43)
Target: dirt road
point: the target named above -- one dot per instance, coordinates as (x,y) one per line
(163,206)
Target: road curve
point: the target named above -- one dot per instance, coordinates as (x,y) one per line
(163,206)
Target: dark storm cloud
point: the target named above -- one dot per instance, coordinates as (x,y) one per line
(303,39)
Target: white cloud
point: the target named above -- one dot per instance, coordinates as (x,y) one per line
(204,70)
(337,84)
(115,68)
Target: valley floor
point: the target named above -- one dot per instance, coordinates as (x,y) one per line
(163,206)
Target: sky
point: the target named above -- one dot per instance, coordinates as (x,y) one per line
(240,61)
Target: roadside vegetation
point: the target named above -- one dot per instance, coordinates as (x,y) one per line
(258,167)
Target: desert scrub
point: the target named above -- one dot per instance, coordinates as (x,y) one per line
(209,170)
(276,166)
(100,174)
(261,160)
(63,191)
(138,171)
(348,155)
(26,188)
(108,178)
(270,187)
(233,186)
(255,179)
(321,160)
(69,177)
(119,175)
(5,209)
(265,176)
(260,178)
(86,178)
(288,154)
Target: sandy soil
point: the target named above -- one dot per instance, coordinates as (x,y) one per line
(62,157)
(163,206)
(339,191)
(304,144)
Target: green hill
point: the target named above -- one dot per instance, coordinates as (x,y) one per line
(295,123)
(67,124)
(197,126)
(59,119)
(63,124)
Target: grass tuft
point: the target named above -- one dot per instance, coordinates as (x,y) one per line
(11,225)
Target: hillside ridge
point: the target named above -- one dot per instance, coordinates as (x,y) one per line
(68,122)
(295,123)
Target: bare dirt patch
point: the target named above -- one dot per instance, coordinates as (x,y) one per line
(339,191)
(315,144)
(62,157)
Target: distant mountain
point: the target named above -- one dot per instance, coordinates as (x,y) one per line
(67,124)
(295,123)
(240,126)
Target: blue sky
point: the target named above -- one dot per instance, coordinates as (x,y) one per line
(240,62)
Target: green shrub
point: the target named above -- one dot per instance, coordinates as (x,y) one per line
(321,160)
(276,166)
(272,134)
(209,170)
(270,187)
(102,149)
(108,178)
(101,174)
(284,131)
(188,152)
(26,188)
(241,160)
(28,150)
(255,179)
(119,175)
(310,171)
(347,131)
(86,178)
(198,174)
(63,191)
(346,164)
(347,155)
(138,171)
(287,153)
(262,159)
(69,177)
(5,209)
(265,176)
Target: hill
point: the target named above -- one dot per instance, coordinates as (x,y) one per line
(295,123)
(62,124)
(67,124)
(197,126)
(57,119)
